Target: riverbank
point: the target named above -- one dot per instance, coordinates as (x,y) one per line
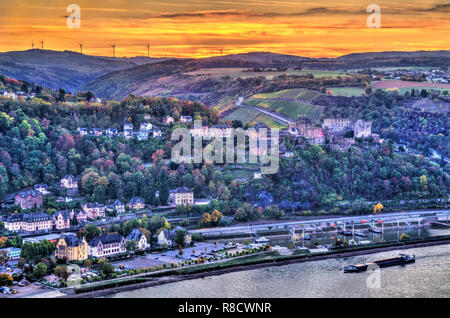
(113,287)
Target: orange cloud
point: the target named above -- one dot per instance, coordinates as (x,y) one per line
(198,28)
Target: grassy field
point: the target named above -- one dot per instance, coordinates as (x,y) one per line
(346,91)
(289,108)
(241,173)
(243,114)
(403,90)
(252,117)
(272,123)
(417,68)
(225,104)
(295,93)
(409,85)
(239,72)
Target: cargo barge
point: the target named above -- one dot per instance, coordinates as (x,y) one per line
(401,260)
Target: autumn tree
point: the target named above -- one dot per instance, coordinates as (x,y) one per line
(377,208)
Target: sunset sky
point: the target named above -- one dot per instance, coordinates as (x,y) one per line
(198,28)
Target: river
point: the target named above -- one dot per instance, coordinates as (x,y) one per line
(429,276)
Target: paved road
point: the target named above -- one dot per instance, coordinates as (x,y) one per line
(277,117)
(336,220)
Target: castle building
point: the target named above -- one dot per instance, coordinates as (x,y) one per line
(362,129)
(337,125)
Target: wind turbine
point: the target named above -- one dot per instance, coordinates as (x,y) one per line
(221,51)
(81,48)
(148,49)
(32,45)
(114,49)
(42,44)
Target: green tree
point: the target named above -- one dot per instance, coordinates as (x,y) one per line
(40,270)
(61,271)
(180,238)
(106,268)
(90,231)
(131,246)
(163,188)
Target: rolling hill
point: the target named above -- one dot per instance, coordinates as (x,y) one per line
(117,77)
(68,70)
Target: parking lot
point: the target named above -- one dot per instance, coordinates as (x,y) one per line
(172,256)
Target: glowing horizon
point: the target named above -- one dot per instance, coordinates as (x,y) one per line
(200,28)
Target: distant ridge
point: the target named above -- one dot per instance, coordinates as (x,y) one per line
(73,71)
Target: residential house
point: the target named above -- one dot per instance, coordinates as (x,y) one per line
(128,131)
(146,126)
(201,202)
(72,248)
(143,135)
(185,119)
(292,130)
(157,133)
(168,120)
(10,95)
(136,203)
(139,238)
(20,93)
(29,199)
(12,253)
(116,205)
(181,196)
(95,100)
(69,182)
(288,154)
(112,132)
(96,132)
(94,210)
(81,216)
(220,131)
(61,220)
(42,188)
(167,237)
(82,131)
(29,222)
(199,131)
(107,245)
(127,126)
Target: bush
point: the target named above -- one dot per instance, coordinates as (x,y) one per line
(6,280)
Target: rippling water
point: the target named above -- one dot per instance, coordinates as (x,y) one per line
(428,277)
